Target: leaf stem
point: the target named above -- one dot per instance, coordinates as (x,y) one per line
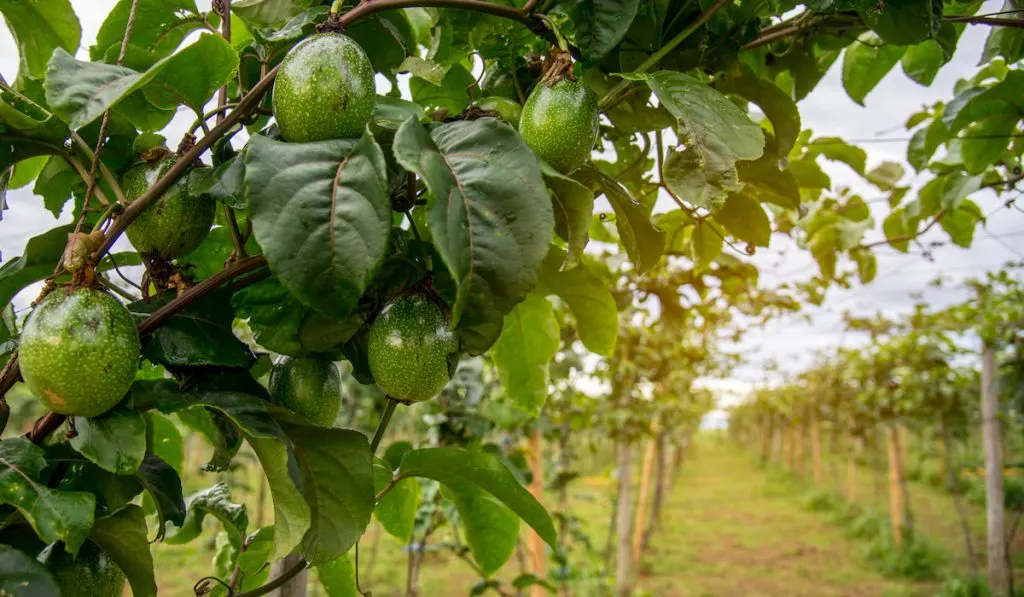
(382,426)
(656,57)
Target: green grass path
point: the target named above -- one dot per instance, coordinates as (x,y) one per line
(729,530)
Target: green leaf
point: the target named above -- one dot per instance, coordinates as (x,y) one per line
(54,515)
(452,94)
(922,62)
(866,63)
(592,305)
(601,25)
(529,340)
(491,219)
(703,176)
(269,14)
(159,27)
(985,141)
(337,479)
(479,468)
(23,576)
(123,537)
(893,228)
(886,175)
(214,501)
(26,171)
(867,266)
(335,195)
(428,70)
(776,104)
(706,245)
(391,112)
(924,142)
(218,430)
(38,28)
(199,335)
(903,23)
(225,183)
(573,205)
(387,38)
(745,219)
(491,529)
(643,241)
(1007,42)
(257,552)
(961,222)
(56,183)
(115,440)
(764,180)
(396,511)
(836,149)
(80,92)
(164,487)
(338,578)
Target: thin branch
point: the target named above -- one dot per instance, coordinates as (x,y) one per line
(222,102)
(907,237)
(990,21)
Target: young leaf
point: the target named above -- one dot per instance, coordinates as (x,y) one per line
(164,486)
(215,501)
(335,196)
(491,528)
(745,219)
(115,440)
(39,27)
(479,468)
(601,25)
(529,340)
(122,536)
(591,303)
(866,63)
(23,576)
(491,219)
(396,511)
(337,478)
(54,515)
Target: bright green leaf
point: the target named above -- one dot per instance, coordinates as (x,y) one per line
(396,511)
(115,440)
(592,305)
(38,28)
(528,342)
(745,219)
(866,63)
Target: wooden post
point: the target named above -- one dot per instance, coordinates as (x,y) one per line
(535,545)
(296,587)
(895,491)
(851,470)
(624,519)
(816,447)
(641,502)
(998,575)
(799,459)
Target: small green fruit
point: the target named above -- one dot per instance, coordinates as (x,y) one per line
(91,574)
(79,351)
(560,123)
(310,387)
(412,352)
(176,223)
(324,90)
(509,110)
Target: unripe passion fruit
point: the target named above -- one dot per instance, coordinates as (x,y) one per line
(560,123)
(90,574)
(176,223)
(412,352)
(324,90)
(310,387)
(79,351)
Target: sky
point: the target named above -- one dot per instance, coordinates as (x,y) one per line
(828,111)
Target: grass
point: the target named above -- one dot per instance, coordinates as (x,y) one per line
(729,529)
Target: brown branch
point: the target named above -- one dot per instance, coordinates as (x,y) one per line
(990,21)
(907,237)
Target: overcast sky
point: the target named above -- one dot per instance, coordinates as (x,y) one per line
(827,111)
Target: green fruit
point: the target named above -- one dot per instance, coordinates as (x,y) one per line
(412,352)
(176,223)
(91,574)
(309,387)
(560,123)
(79,351)
(324,90)
(508,110)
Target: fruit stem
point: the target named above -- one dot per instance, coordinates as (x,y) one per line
(656,57)
(385,420)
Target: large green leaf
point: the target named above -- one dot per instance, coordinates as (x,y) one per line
(491,218)
(338,578)
(529,340)
(27,129)
(924,142)
(703,177)
(592,305)
(601,25)
(922,61)
(904,23)
(164,487)
(54,515)
(491,529)
(214,501)
(745,219)
(269,14)
(643,241)
(866,63)
(337,476)
(23,576)
(459,467)
(115,440)
(122,536)
(451,94)
(159,27)
(322,215)
(39,27)
(396,511)
(80,92)
(776,104)
(836,149)
(573,205)
(199,335)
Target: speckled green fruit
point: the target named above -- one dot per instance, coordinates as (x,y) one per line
(560,123)
(176,223)
(509,110)
(310,387)
(79,351)
(91,574)
(412,352)
(324,90)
